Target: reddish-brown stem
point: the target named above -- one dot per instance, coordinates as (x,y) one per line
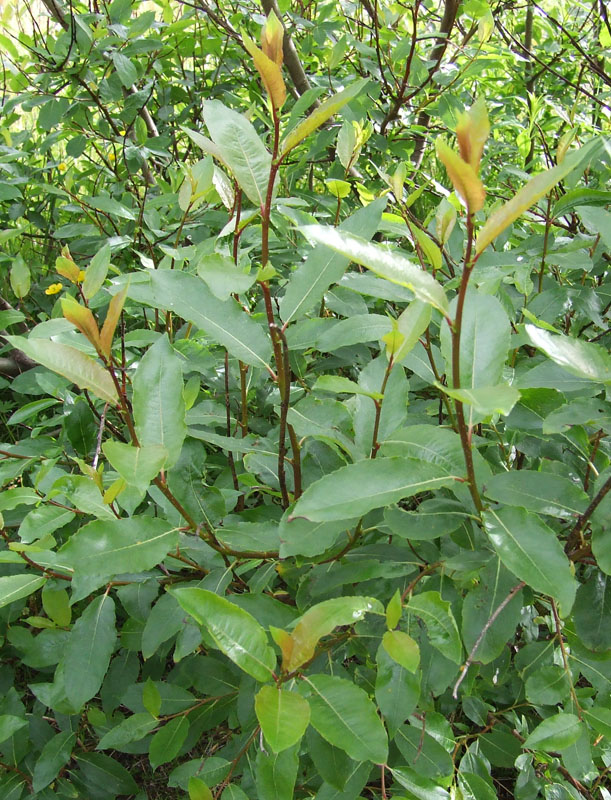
(464,433)
(230,459)
(296,448)
(375,445)
(285,396)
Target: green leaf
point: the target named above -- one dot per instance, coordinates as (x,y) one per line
(276,774)
(90,646)
(138,466)
(241,149)
(74,365)
(354,330)
(225,322)
(428,757)
(110,206)
(198,790)
(543,492)
(554,733)
(128,730)
(10,724)
(15,587)
(385,262)
(223,276)
(105,548)
(151,697)
(355,489)
(531,550)
(592,612)
(397,690)
(547,686)
(410,326)
(54,755)
(402,649)
(486,400)
(235,631)
(532,191)
(585,359)
(96,272)
(394,609)
(419,787)
(166,743)
(320,620)
(337,384)
(474,787)
(440,623)
(495,583)
(344,715)
(105,774)
(323,267)
(158,402)
(127,72)
(283,716)
(321,114)
(599,718)
(484,341)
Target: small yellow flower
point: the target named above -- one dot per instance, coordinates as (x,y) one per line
(112,157)
(62,166)
(81,276)
(122,133)
(55,288)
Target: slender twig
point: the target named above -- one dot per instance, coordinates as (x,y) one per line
(583,519)
(565,659)
(484,631)
(98,445)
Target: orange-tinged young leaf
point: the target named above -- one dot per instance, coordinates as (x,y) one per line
(464,178)
(536,187)
(472,132)
(82,318)
(285,642)
(67,268)
(270,73)
(115,308)
(272,38)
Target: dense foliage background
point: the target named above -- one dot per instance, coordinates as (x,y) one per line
(304,403)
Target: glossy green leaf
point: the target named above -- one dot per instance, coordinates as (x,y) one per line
(585,359)
(324,267)
(320,620)
(547,686)
(354,330)
(554,733)
(337,384)
(104,548)
(344,715)
(276,774)
(410,326)
(138,466)
(532,191)
(495,583)
(532,551)
(235,631)
(126,70)
(166,743)
(105,773)
(599,717)
(386,263)
(131,729)
(543,492)
(402,649)
(321,114)
(54,755)
(198,790)
(358,488)
(241,149)
(592,612)
(15,587)
(159,406)
(440,623)
(423,752)
(283,716)
(397,690)
(71,363)
(90,646)
(10,724)
(418,786)
(223,276)
(96,272)
(486,400)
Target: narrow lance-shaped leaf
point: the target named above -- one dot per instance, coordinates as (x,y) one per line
(236,632)
(270,73)
(96,272)
(74,365)
(532,191)
(463,176)
(89,650)
(320,115)
(115,307)
(585,359)
(440,623)
(82,318)
(14,587)
(385,262)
